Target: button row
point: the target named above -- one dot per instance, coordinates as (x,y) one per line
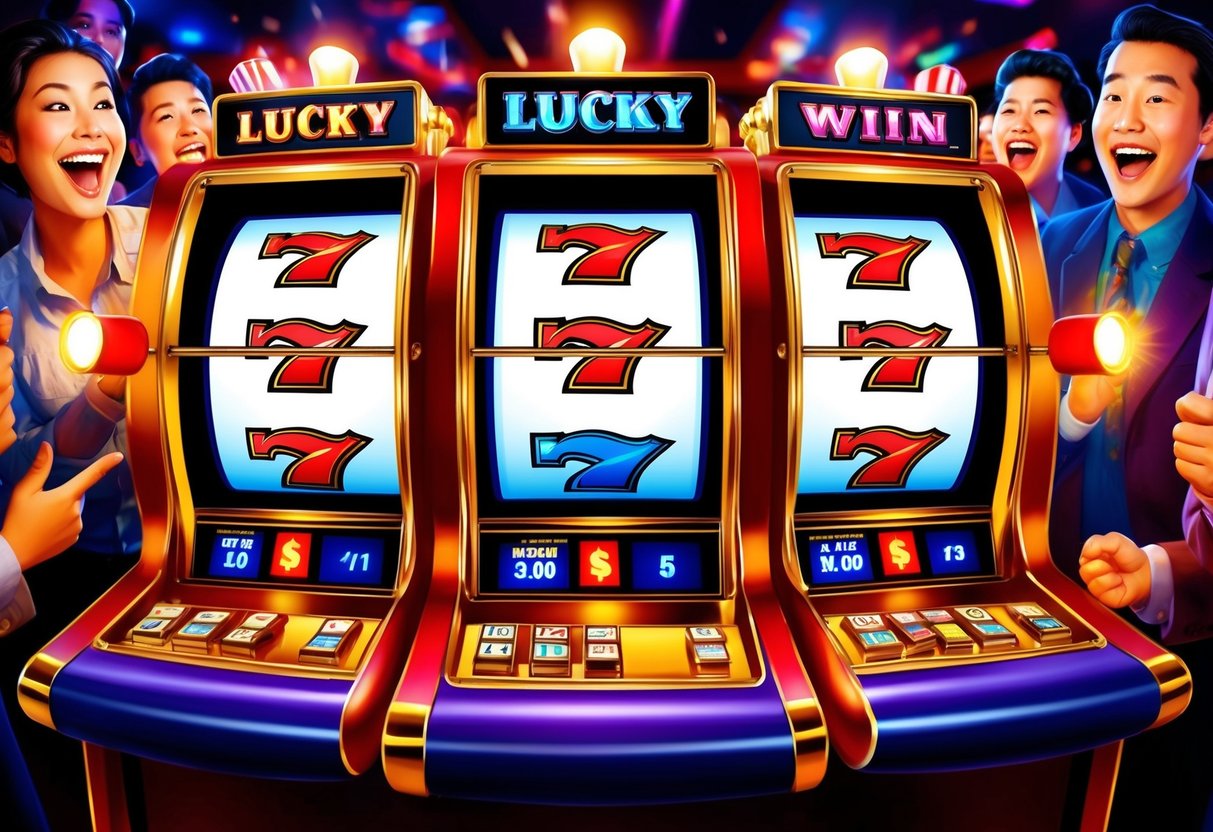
(551,653)
(885,636)
(168,624)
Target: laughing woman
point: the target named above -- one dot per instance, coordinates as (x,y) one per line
(61,142)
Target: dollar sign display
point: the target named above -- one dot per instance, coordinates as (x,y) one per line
(897,549)
(600,564)
(290,555)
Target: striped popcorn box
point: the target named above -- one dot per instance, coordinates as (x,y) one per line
(940,78)
(255,75)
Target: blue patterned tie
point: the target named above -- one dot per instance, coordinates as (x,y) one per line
(1118,297)
(1118,291)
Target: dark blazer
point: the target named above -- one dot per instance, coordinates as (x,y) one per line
(1164,368)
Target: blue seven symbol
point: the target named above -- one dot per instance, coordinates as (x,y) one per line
(616,462)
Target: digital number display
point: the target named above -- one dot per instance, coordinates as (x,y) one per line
(533,565)
(236,555)
(666,567)
(351,560)
(953,552)
(306,557)
(897,554)
(839,559)
(597,565)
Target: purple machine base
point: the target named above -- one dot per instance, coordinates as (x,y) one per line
(608,747)
(228,721)
(1009,711)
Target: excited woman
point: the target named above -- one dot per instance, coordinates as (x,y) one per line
(61,141)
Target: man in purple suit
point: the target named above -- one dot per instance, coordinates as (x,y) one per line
(1148,253)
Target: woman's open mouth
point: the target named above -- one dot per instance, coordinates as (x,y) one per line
(1020,155)
(192,154)
(84,171)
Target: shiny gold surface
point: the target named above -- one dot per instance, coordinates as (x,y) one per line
(34,688)
(404,747)
(1014,347)
(810,741)
(1175,684)
(168,346)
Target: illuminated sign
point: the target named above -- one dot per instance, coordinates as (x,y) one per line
(813,117)
(577,109)
(375,115)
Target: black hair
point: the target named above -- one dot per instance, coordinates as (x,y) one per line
(62,10)
(1150,24)
(21,46)
(1034,63)
(160,69)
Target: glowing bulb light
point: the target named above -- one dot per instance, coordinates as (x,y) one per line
(597,50)
(862,68)
(1112,343)
(105,344)
(332,66)
(1083,345)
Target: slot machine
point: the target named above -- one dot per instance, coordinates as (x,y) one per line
(264,628)
(916,409)
(598,630)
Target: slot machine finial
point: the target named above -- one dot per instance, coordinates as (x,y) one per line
(255,75)
(332,66)
(942,78)
(864,68)
(597,50)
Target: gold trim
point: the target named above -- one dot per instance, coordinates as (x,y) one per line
(404,747)
(808,351)
(987,192)
(182,242)
(480,139)
(271,352)
(1175,685)
(34,688)
(809,740)
(593,352)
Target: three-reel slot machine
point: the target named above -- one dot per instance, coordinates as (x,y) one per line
(589,549)
(912,323)
(267,623)
(573,450)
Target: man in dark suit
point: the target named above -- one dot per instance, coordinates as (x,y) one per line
(1042,106)
(1148,252)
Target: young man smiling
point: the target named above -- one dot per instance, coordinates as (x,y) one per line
(1148,252)
(170,104)
(1042,105)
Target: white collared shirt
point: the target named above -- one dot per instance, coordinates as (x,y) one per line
(47,393)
